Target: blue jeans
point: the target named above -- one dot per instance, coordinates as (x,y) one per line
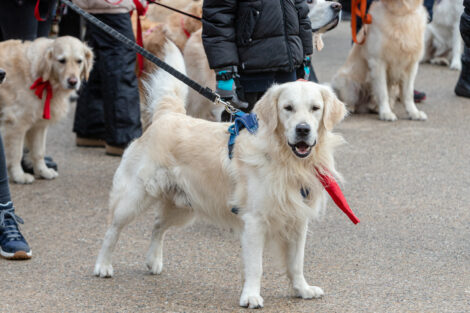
(4,187)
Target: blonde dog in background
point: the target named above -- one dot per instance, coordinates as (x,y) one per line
(443,43)
(387,62)
(64,62)
(180,167)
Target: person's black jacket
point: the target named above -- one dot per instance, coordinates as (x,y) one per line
(256,35)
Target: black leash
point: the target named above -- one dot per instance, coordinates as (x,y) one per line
(176,10)
(204,91)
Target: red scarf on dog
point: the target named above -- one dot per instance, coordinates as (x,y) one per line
(39,85)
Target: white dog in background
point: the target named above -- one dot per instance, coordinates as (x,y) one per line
(443,43)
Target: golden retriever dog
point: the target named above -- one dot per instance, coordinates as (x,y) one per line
(180,167)
(443,43)
(387,62)
(63,62)
(323,15)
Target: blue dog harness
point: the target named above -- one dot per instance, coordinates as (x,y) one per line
(242,120)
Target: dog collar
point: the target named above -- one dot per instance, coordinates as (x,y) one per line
(39,85)
(185,31)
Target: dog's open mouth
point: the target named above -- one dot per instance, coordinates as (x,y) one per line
(330,25)
(301,149)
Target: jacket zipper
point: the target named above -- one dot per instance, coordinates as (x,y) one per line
(289,52)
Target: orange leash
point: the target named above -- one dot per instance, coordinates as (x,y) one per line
(358,9)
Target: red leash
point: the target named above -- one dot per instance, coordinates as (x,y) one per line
(40,85)
(36,12)
(141,11)
(333,189)
(358,9)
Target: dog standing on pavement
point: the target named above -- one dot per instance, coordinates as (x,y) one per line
(443,43)
(62,64)
(384,68)
(180,167)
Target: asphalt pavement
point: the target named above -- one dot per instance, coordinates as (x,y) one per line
(408,182)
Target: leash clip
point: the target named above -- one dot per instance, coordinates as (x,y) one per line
(228,107)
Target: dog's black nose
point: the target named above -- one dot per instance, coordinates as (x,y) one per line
(72,81)
(302,129)
(2,76)
(336,6)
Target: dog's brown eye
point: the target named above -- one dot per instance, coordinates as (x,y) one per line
(62,61)
(288,108)
(315,108)
(79,61)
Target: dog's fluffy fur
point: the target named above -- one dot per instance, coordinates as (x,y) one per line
(323,17)
(180,167)
(59,61)
(443,43)
(387,61)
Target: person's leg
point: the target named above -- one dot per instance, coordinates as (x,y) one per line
(89,114)
(462,88)
(17,20)
(428,4)
(44,28)
(12,243)
(70,25)
(119,86)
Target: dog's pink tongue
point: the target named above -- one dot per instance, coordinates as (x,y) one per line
(302,149)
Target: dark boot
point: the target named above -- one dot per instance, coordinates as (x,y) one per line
(462,88)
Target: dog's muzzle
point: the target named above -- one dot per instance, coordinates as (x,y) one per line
(302,149)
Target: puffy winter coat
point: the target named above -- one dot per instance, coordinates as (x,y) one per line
(105,7)
(256,35)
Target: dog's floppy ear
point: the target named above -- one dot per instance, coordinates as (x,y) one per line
(333,109)
(88,62)
(44,65)
(266,108)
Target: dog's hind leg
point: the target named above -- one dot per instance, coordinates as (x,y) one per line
(406,89)
(167,216)
(295,265)
(127,205)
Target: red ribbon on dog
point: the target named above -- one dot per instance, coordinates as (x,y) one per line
(333,189)
(39,85)
(141,11)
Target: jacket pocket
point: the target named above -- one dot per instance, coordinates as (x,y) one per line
(247,17)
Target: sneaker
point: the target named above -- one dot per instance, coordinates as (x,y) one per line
(419,96)
(89,142)
(114,150)
(13,246)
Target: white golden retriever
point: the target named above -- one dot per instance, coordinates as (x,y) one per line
(63,62)
(443,44)
(387,62)
(180,168)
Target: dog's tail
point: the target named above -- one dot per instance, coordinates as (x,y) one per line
(162,90)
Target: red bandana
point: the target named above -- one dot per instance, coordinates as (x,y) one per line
(185,31)
(40,85)
(331,186)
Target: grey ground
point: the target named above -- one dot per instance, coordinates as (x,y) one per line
(409,182)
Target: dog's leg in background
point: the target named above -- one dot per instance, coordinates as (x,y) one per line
(456,62)
(252,240)
(36,143)
(406,89)
(13,138)
(380,90)
(295,266)
(167,215)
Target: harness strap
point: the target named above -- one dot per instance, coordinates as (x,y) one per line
(204,91)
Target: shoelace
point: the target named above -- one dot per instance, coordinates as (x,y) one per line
(9,224)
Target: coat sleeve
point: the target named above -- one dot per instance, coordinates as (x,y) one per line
(305,30)
(218,32)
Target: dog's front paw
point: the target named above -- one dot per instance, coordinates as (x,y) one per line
(103,270)
(388,116)
(22,178)
(251,301)
(48,173)
(309,292)
(456,65)
(154,265)
(418,115)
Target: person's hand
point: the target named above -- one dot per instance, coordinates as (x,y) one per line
(306,66)
(226,87)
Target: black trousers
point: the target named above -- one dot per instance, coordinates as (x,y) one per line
(108,107)
(17,19)
(4,187)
